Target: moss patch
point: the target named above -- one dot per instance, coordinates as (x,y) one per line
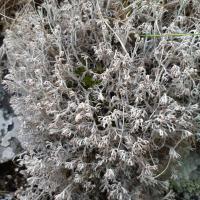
(88,81)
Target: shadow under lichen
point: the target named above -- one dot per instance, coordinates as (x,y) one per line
(10,179)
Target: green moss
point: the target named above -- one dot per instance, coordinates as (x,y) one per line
(188,182)
(79,71)
(189,187)
(88,81)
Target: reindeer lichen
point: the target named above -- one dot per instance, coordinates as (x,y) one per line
(108,96)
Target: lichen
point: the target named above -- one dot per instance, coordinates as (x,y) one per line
(108,104)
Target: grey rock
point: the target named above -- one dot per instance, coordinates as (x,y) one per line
(9,144)
(6,197)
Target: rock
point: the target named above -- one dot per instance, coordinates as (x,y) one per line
(9,144)
(9,126)
(6,197)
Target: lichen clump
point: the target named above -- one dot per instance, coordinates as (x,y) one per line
(105,109)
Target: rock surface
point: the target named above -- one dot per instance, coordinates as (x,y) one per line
(9,144)
(10,178)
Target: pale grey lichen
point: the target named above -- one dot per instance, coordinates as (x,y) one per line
(105,110)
